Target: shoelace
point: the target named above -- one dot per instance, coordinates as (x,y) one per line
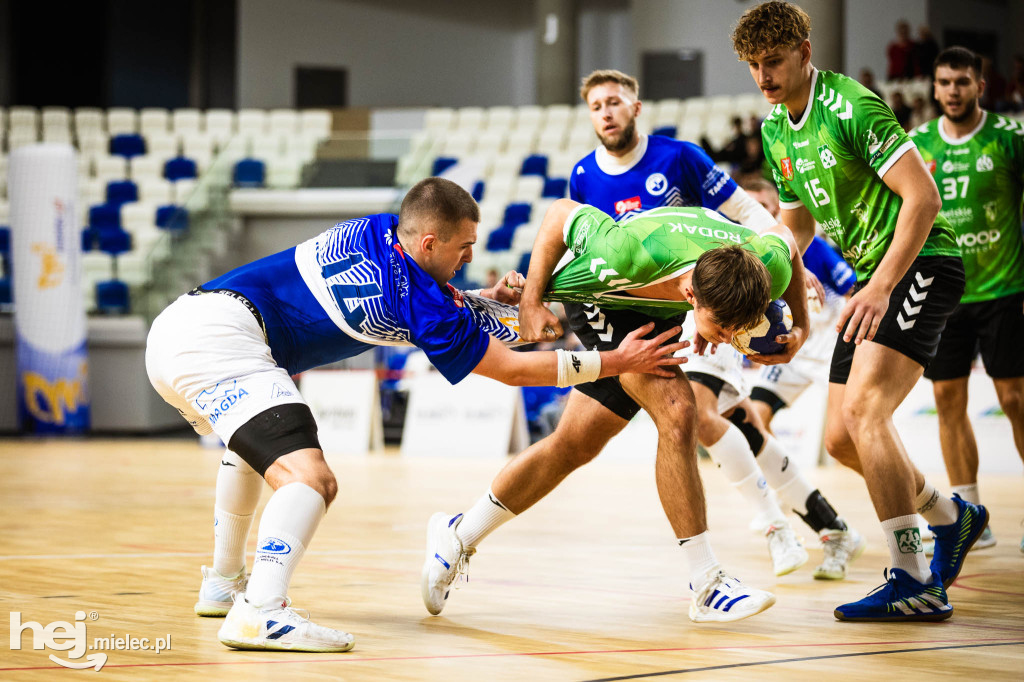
(700,597)
(890,579)
(461,573)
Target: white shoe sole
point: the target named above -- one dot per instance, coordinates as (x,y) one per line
(273,645)
(789,568)
(428,564)
(212,609)
(858,550)
(728,616)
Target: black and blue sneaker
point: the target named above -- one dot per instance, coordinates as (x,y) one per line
(901,598)
(952,542)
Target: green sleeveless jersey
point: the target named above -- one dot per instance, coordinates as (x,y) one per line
(981,180)
(832,161)
(606,259)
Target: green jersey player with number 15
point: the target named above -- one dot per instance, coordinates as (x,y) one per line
(977,160)
(841,159)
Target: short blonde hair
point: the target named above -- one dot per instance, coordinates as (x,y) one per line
(602,76)
(733,284)
(769,26)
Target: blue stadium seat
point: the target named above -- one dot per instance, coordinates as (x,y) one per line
(250,173)
(6,294)
(555,188)
(103,216)
(172,218)
(666,131)
(478,190)
(112,297)
(5,239)
(180,168)
(442,163)
(88,239)
(516,214)
(114,241)
(501,239)
(535,164)
(127,144)
(121,192)
(524,263)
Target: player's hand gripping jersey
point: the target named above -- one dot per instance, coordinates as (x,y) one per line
(832,161)
(981,179)
(605,258)
(351,288)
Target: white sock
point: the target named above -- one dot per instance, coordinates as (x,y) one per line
(289,521)
(483,517)
(936,509)
(968,492)
(238,493)
(784,476)
(700,558)
(733,456)
(905,548)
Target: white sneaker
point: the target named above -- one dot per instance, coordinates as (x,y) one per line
(446,560)
(722,598)
(278,627)
(841,547)
(216,593)
(785,548)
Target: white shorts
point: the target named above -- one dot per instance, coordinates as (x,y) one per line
(790,380)
(207,357)
(724,364)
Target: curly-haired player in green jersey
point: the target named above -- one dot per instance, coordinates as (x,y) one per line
(840,159)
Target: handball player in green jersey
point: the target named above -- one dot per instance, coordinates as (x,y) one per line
(840,159)
(977,160)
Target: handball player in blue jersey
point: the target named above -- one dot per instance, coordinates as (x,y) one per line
(627,174)
(224,353)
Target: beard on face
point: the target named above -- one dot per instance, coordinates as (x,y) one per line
(615,144)
(970,106)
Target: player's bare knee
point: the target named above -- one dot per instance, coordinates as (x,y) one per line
(950,397)
(1011,399)
(710,427)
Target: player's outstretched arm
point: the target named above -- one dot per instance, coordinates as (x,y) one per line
(566,368)
(908,178)
(537,323)
(795,296)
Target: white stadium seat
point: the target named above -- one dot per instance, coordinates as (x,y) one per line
(23,117)
(220,123)
(146,167)
(154,121)
(56,117)
(469,119)
(283,122)
(499,118)
(157,191)
(316,123)
(121,120)
(186,121)
(88,119)
(252,122)
(110,168)
(439,119)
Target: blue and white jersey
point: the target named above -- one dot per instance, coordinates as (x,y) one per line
(352,288)
(660,171)
(835,274)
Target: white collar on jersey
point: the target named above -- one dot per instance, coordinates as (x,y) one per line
(966,138)
(810,103)
(615,165)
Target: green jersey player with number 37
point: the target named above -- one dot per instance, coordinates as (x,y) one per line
(841,159)
(977,160)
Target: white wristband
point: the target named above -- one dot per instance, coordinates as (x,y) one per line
(578,367)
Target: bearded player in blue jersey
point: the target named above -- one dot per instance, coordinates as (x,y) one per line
(223,356)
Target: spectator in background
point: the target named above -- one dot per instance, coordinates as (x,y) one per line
(921,112)
(752,165)
(867,79)
(492,278)
(926,49)
(1015,88)
(992,98)
(900,108)
(901,53)
(734,150)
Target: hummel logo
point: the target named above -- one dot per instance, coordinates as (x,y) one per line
(227,464)
(785,463)
(916,296)
(576,364)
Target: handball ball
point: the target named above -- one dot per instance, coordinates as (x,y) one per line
(761,337)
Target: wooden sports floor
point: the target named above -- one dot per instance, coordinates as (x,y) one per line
(587,585)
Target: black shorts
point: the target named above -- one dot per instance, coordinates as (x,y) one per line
(599,329)
(919,306)
(995,327)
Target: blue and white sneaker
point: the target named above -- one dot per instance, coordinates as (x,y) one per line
(952,542)
(276,626)
(446,560)
(721,598)
(900,598)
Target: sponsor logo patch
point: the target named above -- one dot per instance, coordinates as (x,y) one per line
(656,184)
(787,168)
(631,204)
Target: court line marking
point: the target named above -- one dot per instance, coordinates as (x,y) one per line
(682,671)
(996,641)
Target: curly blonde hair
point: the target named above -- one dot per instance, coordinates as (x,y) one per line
(769,26)
(602,76)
